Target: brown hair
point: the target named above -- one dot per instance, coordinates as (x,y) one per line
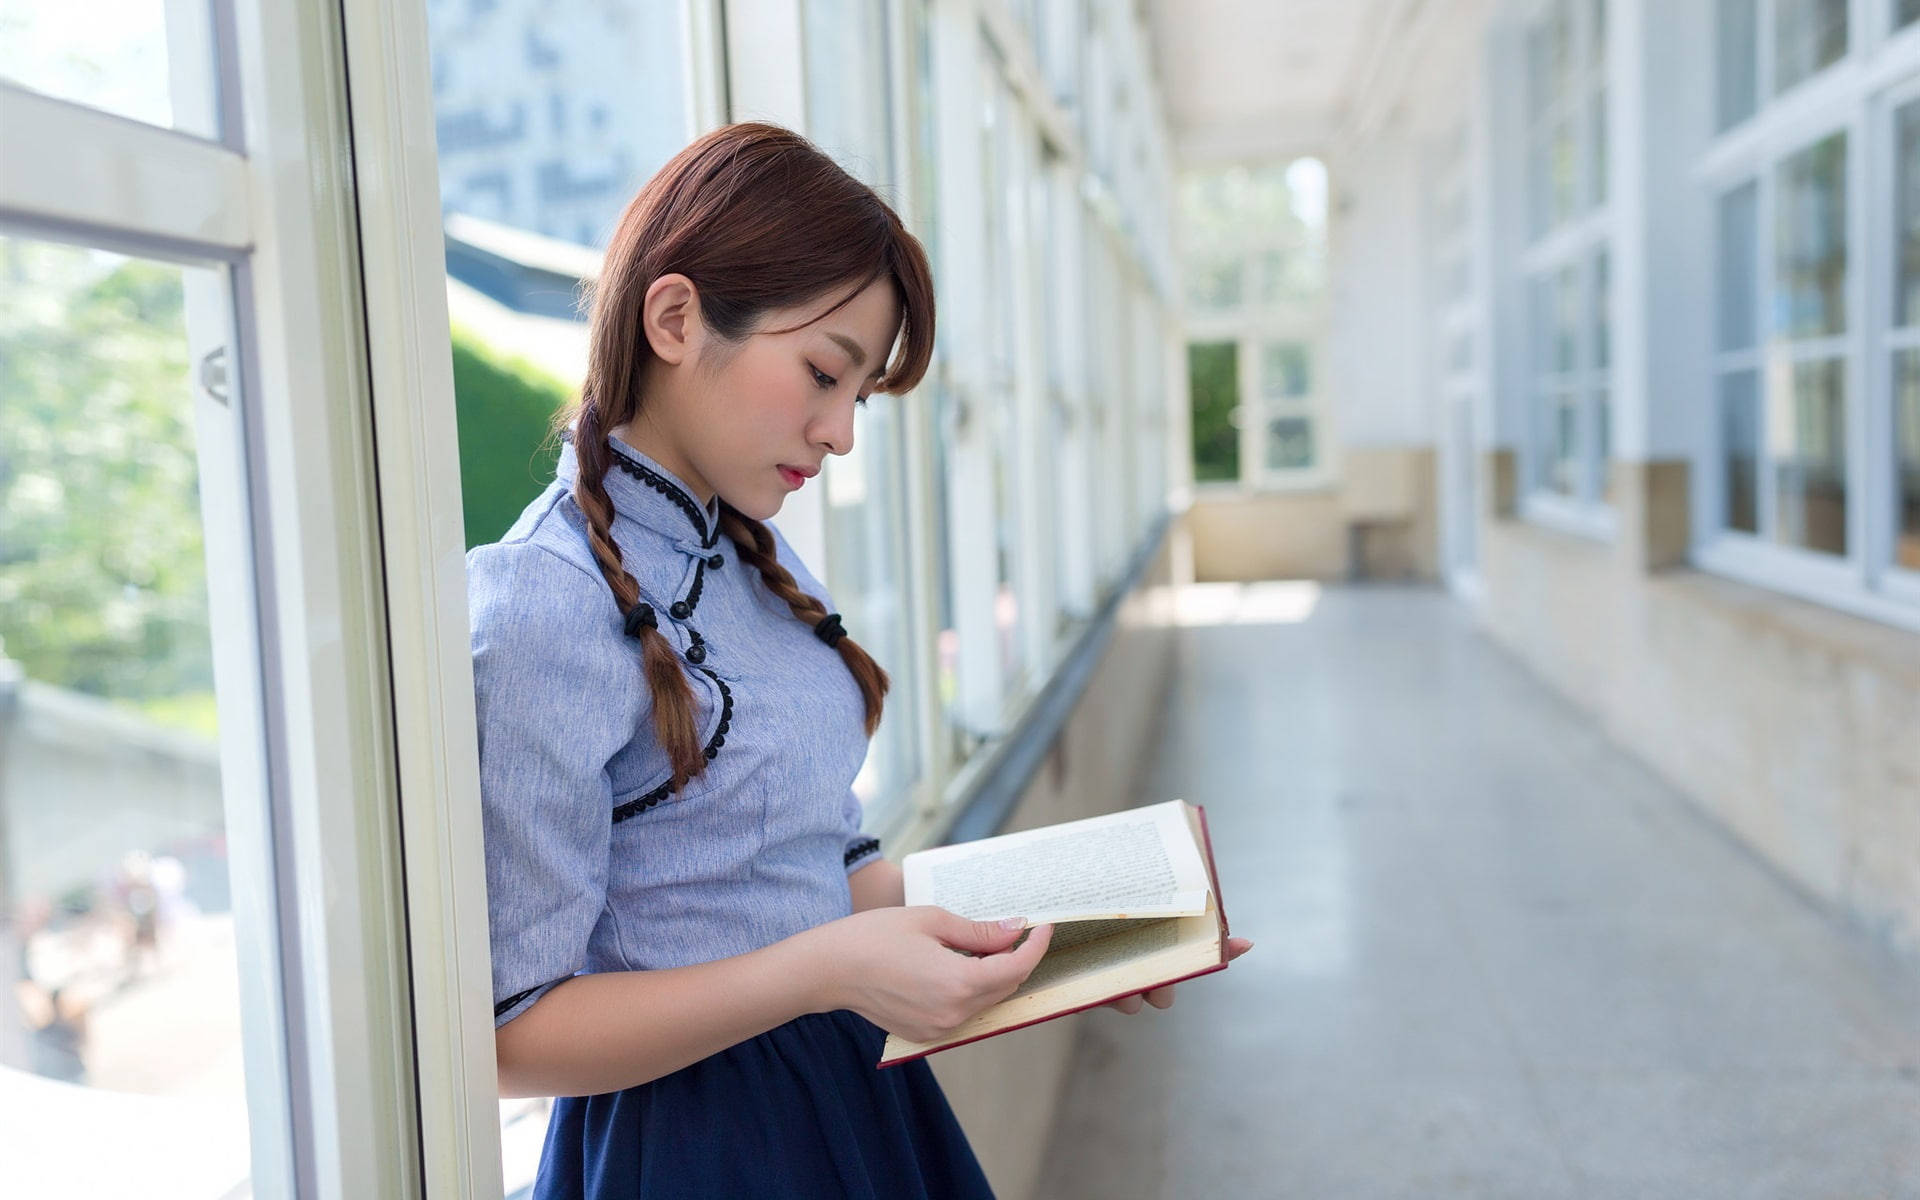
(758,219)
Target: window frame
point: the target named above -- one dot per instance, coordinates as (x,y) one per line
(1573,243)
(309,697)
(1254,323)
(1858,95)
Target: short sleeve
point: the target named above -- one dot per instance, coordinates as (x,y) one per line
(860,848)
(556,696)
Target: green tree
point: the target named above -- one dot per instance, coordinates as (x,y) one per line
(102,575)
(506,408)
(1213,376)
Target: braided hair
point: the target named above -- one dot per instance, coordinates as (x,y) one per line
(757,218)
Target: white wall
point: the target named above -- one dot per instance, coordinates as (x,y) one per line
(1377,372)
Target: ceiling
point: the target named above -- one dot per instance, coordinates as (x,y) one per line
(1257,78)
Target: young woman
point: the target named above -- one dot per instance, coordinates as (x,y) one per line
(693,944)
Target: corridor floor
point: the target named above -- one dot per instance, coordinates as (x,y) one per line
(1495,956)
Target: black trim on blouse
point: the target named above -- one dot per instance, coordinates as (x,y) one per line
(501,1008)
(668,488)
(859,848)
(640,804)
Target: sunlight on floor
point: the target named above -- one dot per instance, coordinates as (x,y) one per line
(1279,602)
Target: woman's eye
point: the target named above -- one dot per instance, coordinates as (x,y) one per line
(825,382)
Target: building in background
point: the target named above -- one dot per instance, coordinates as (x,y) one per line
(549,117)
(1622,342)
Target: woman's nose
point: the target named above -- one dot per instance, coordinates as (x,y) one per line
(835,428)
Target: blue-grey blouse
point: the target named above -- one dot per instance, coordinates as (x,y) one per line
(592,865)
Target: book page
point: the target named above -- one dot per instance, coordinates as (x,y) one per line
(1107,944)
(1139,956)
(1139,863)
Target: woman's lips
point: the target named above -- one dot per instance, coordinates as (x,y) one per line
(792,478)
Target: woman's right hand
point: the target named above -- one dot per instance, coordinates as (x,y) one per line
(898,967)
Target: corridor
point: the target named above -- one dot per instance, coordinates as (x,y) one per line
(1495,957)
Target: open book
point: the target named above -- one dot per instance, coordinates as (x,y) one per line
(1132,896)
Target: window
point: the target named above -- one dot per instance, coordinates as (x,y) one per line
(1813,470)
(867,522)
(1904,339)
(1568,449)
(1808,37)
(847,85)
(119,897)
(1003,189)
(1783,407)
(147,60)
(1767,47)
(180,340)
(507,74)
(1807,418)
(1255,246)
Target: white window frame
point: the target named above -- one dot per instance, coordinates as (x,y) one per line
(1857,95)
(1574,244)
(1250,326)
(358,1047)
(1460,386)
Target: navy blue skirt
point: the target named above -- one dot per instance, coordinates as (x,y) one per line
(797,1113)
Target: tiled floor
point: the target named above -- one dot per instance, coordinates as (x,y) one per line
(1496,957)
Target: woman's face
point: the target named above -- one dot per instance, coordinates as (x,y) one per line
(758,417)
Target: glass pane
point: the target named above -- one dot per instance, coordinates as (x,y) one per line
(868,575)
(1213,380)
(1295,275)
(1601,311)
(1560,443)
(1906,212)
(1597,148)
(1562,166)
(1002,186)
(550,125)
(1807,428)
(1540,323)
(1566,320)
(1215,286)
(847,102)
(1289,443)
(1737,83)
(1808,35)
(1597,33)
(1603,444)
(1740,450)
(1285,370)
(1460,352)
(1810,297)
(120,1026)
(1906,459)
(1737,297)
(1550,56)
(151,60)
(1539,184)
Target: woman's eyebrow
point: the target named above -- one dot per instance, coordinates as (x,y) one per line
(852,348)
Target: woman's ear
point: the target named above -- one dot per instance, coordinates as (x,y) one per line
(670,318)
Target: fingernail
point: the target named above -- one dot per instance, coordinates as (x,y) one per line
(1013,922)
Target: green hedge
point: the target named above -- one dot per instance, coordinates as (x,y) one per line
(1213,375)
(506,407)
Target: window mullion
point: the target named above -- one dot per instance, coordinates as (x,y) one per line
(77,173)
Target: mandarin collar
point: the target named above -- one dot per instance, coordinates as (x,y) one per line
(644,491)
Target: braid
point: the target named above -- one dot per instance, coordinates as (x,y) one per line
(754,543)
(673,703)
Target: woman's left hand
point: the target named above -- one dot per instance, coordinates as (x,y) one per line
(1162,997)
